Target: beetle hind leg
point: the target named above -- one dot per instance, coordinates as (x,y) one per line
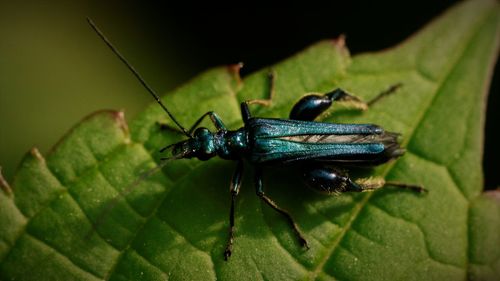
(392,89)
(330,180)
(311,106)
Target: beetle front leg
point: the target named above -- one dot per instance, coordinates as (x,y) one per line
(163,126)
(235,189)
(219,125)
(259,188)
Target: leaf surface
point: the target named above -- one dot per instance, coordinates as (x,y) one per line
(173,225)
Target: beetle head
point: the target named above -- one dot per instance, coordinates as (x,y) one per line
(201,145)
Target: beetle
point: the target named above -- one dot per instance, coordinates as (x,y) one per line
(319,148)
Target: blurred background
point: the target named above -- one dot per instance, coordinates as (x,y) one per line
(54,70)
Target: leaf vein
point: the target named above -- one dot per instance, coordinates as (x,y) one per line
(180,234)
(32,236)
(153,213)
(447,169)
(365,200)
(149,262)
(421,230)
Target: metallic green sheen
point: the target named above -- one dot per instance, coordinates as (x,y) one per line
(268,146)
(266,150)
(264,127)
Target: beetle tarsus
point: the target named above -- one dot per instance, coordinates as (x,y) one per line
(392,89)
(413,187)
(303,242)
(291,222)
(229,247)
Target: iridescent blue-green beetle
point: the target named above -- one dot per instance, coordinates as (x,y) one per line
(320,148)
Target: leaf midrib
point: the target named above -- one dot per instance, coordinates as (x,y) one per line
(390,166)
(358,208)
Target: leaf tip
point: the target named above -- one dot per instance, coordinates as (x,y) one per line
(36,154)
(234,71)
(4,185)
(339,42)
(119,117)
(495,194)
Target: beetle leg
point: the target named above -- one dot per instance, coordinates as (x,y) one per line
(377,182)
(333,181)
(311,106)
(266,102)
(388,91)
(219,125)
(245,111)
(234,188)
(259,188)
(329,180)
(166,127)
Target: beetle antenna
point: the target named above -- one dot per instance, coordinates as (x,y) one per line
(136,74)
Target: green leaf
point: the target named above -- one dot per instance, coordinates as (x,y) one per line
(173,225)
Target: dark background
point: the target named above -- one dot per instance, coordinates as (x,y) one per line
(169,44)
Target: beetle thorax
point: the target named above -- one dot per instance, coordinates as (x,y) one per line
(205,144)
(232,145)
